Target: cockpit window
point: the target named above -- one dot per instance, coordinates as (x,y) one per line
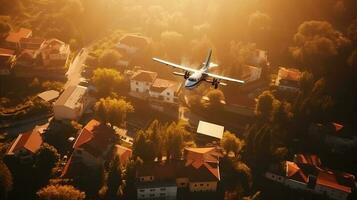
(192,79)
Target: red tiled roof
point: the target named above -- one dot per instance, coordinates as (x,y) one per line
(16,36)
(145,76)
(134,41)
(204,161)
(162,171)
(31,43)
(337,126)
(294,172)
(308,159)
(328,179)
(31,141)
(289,74)
(160,85)
(95,137)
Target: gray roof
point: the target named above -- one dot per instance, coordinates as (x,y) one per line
(49,95)
(71,96)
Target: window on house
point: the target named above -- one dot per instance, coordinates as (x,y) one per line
(168,93)
(137,89)
(142,190)
(137,83)
(151,190)
(162,189)
(152,195)
(162,194)
(182,184)
(201,184)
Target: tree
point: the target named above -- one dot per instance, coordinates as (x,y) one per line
(60,192)
(174,141)
(113,110)
(172,43)
(215,98)
(46,158)
(316,42)
(231,143)
(245,174)
(109,58)
(155,131)
(143,147)
(5,180)
(265,105)
(107,80)
(114,178)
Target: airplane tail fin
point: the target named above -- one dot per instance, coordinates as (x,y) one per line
(208,59)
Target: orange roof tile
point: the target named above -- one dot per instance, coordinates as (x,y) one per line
(16,36)
(31,141)
(145,76)
(95,137)
(289,74)
(328,179)
(160,85)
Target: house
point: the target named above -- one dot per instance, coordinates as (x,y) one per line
(164,90)
(72,103)
(308,176)
(12,41)
(123,153)
(49,95)
(334,136)
(208,133)
(31,43)
(157,180)
(133,48)
(198,172)
(27,58)
(94,143)
(202,169)
(288,79)
(131,43)
(25,145)
(7,62)
(141,82)
(54,52)
(92,147)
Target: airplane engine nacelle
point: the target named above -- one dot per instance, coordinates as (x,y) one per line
(187,74)
(215,83)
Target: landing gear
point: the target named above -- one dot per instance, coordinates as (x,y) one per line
(187,74)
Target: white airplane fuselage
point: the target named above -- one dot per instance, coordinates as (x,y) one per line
(195,79)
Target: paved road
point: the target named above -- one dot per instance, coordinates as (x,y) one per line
(75,69)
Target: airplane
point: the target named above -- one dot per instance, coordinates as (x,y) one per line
(194,77)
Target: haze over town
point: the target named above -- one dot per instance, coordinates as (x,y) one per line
(86,113)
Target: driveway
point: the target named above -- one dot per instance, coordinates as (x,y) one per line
(76,68)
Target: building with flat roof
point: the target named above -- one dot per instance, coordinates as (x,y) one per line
(72,103)
(208,133)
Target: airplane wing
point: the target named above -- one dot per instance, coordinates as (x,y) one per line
(175,65)
(223,78)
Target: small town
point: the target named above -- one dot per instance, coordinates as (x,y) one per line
(92,105)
